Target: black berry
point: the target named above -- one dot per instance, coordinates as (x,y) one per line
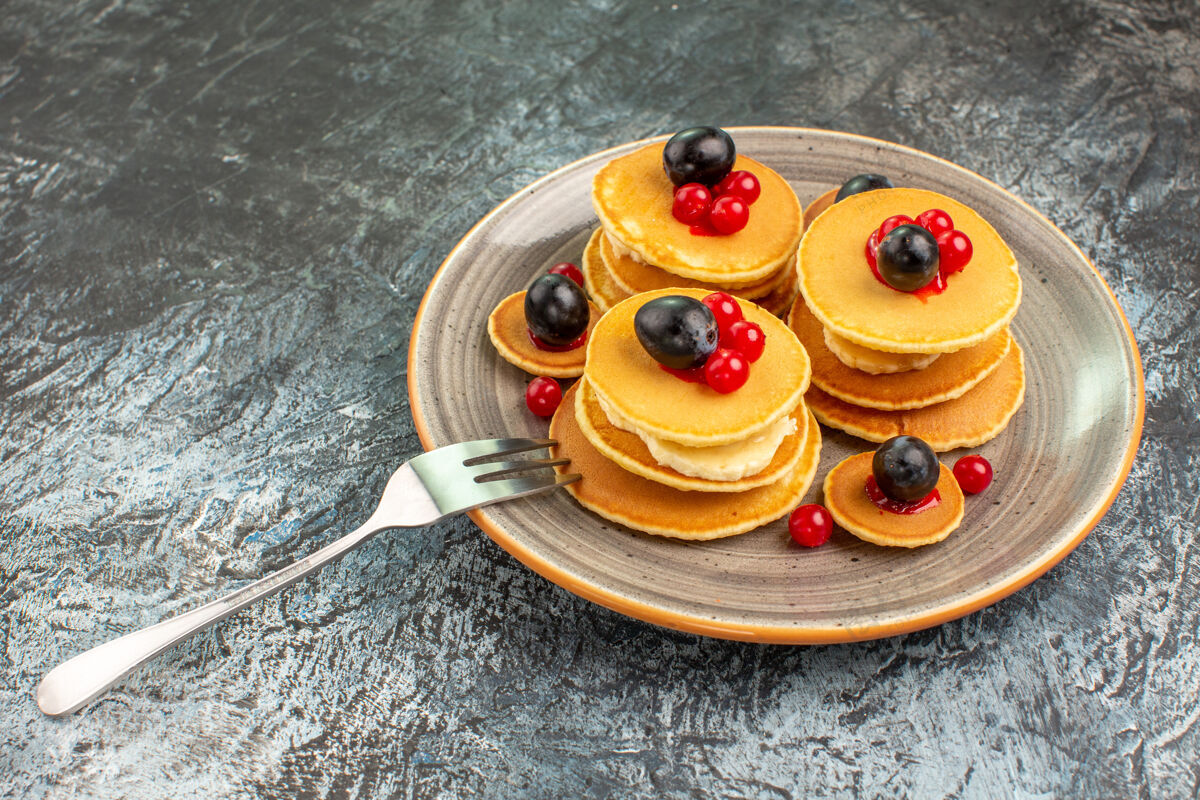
(556,309)
(862,183)
(907,257)
(699,155)
(678,332)
(905,468)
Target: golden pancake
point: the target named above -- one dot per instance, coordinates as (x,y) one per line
(619,495)
(507,329)
(628,380)
(627,450)
(633,196)
(845,296)
(596,278)
(816,207)
(848,504)
(634,277)
(967,421)
(951,375)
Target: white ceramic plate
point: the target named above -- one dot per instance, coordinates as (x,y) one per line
(1059,464)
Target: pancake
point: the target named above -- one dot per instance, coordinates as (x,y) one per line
(972,419)
(596,278)
(628,451)
(632,197)
(818,206)
(634,277)
(507,329)
(619,495)
(845,296)
(848,504)
(951,375)
(630,381)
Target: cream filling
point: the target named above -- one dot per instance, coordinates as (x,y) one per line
(723,462)
(620,249)
(875,362)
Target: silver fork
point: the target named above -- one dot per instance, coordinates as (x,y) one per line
(428,488)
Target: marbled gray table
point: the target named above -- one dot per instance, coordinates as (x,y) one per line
(216,222)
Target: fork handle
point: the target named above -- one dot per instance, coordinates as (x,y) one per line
(75,683)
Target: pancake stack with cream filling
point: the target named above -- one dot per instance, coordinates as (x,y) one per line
(642,246)
(937,361)
(665,453)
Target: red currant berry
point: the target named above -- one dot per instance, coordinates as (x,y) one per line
(973,473)
(739,183)
(568,269)
(872,247)
(745,337)
(725,309)
(935,221)
(954,251)
(692,203)
(893,222)
(810,525)
(729,214)
(542,396)
(726,370)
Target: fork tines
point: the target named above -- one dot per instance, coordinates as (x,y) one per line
(483,450)
(503,468)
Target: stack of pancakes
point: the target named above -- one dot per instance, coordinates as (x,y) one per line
(641,247)
(944,367)
(676,458)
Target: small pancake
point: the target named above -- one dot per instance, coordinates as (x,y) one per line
(970,420)
(951,375)
(634,277)
(627,450)
(619,495)
(848,504)
(632,197)
(845,296)
(632,383)
(507,329)
(818,206)
(597,280)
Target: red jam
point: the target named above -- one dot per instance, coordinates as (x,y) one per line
(556,348)
(693,375)
(885,503)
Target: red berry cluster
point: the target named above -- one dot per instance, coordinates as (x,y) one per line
(722,210)
(954,248)
(740,342)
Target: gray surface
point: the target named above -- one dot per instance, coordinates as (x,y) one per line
(216,221)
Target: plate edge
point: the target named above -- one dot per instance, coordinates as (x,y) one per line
(783,634)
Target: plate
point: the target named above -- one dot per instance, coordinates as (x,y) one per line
(1059,464)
